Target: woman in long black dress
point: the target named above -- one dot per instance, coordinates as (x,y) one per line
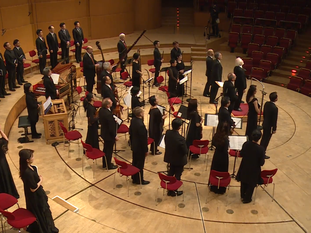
(7,184)
(220,160)
(253,111)
(32,108)
(194,131)
(92,117)
(156,122)
(181,69)
(136,70)
(173,79)
(36,199)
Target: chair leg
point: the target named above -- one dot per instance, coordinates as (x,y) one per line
(141,186)
(156,199)
(255,195)
(206,156)
(106,164)
(128,188)
(273,192)
(93,170)
(114,180)
(189,159)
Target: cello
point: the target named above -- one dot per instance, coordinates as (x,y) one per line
(99,69)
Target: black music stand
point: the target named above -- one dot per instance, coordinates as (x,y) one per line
(236,142)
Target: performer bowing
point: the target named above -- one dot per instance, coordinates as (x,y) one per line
(108,132)
(173,78)
(89,64)
(107,91)
(92,120)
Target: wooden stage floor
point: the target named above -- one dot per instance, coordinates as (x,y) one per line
(103,207)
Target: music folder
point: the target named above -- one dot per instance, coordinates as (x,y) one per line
(47,105)
(117,120)
(183,112)
(236,142)
(162,142)
(182,81)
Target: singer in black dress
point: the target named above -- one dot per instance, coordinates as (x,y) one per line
(7,184)
(181,69)
(36,198)
(253,111)
(173,79)
(92,116)
(136,72)
(220,160)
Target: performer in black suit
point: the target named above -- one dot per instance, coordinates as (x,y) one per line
(65,38)
(11,64)
(32,108)
(42,49)
(92,117)
(20,55)
(3,93)
(175,52)
(107,91)
(224,115)
(229,90)
(89,64)
(249,172)
(240,82)
(135,99)
(156,122)
(270,118)
(181,69)
(216,76)
(157,61)
(253,111)
(175,153)
(107,71)
(52,41)
(78,38)
(208,73)
(215,20)
(136,70)
(173,80)
(139,144)
(50,89)
(122,49)
(108,131)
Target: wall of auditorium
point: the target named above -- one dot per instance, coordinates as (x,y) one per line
(98,18)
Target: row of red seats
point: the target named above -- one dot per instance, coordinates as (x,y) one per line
(299,84)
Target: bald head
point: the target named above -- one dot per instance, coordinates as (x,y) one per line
(239,62)
(210,53)
(122,36)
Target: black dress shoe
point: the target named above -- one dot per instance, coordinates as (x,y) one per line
(36,136)
(174,193)
(213,102)
(20,83)
(111,167)
(16,86)
(24,81)
(206,95)
(157,153)
(267,157)
(5,93)
(246,201)
(2,96)
(12,89)
(145,182)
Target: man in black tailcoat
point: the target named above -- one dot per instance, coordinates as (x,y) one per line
(270,118)
(52,41)
(229,90)
(20,56)
(175,153)
(78,38)
(89,64)
(11,64)
(107,91)
(216,76)
(240,82)
(65,38)
(157,61)
(3,93)
(175,52)
(224,115)
(208,73)
(50,89)
(42,50)
(122,50)
(108,132)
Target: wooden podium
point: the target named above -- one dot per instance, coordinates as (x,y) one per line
(56,114)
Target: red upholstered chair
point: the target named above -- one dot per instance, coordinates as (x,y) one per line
(266,65)
(268,31)
(233,40)
(257,30)
(124,76)
(285,43)
(199,147)
(280,51)
(272,40)
(266,49)
(219,179)
(257,56)
(279,32)
(238,12)
(291,34)
(303,19)
(267,176)
(306,11)
(291,17)
(246,38)
(295,83)
(123,129)
(248,64)
(126,169)
(26,65)
(259,39)
(308,64)
(274,58)
(85,41)
(72,135)
(92,153)
(246,28)
(151,63)
(169,183)
(33,53)
(259,14)
(304,73)
(306,88)
(235,28)
(249,13)
(160,79)
(81,66)
(6,202)
(280,16)
(258,73)
(173,100)
(270,15)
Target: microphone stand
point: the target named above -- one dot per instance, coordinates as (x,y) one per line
(263,93)
(148,81)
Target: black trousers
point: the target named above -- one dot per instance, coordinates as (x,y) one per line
(108,150)
(156,74)
(238,102)
(215,27)
(154,145)
(207,87)
(78,52)
(42,62)
(176,170)
(65,54)
(33,128)
(11,78)
(53,58)
(231,106)
(139,162)
(20,73)
(247,191)
(123,65)
(2,85)
(89,84)
(266,136)
(214,91)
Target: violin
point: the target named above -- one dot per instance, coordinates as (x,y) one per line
(119,108)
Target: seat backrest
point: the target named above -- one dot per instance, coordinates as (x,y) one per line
(160,79)
(257,30)
(257,54)
(111,61)
(274,57)
(268,173)
(307,84)
(79,89)
(87,147)
(308,64)
(167,179)
(249,13)
(7,214)
(268,31)
(233,36)
(221,176)
(259,14)
(296,80)
(150,62)
(265,63)
(7,200)
(291,17)
(120,163)
(248,61)
(304,73)
(200,143)
(246,37)
(124,75)
(247,28)
(63,127)
(236,28)
(269,15)
(32,53)
(85,40)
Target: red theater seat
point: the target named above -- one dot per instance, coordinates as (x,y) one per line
(295,83)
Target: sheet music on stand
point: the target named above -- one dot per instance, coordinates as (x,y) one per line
(47,105)
(238,122)
(55,78)
(236,142)
(161,109)
(187,72)
(182,81)
(162,142)
(211,120)
(128,100)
